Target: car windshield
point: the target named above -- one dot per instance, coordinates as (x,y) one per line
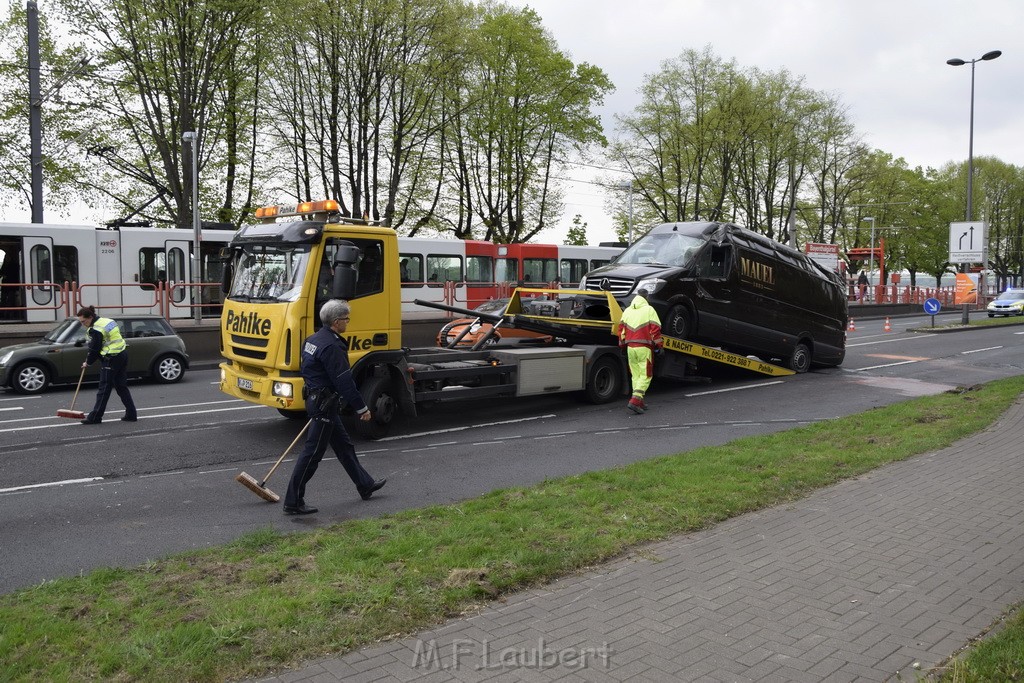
(270,272)
(666,249)
(66,332)
(1012,296)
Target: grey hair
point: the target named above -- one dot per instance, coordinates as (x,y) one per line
(332,310)
(643,292)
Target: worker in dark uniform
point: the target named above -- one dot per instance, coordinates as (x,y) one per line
(328,380)
(108,347)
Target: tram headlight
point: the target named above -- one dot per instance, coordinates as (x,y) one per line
(283,390)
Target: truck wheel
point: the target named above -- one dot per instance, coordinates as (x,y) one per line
(292,414)
(800,361)
(677,323)
(604,380)
(383,406)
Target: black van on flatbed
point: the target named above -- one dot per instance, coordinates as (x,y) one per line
(722,285)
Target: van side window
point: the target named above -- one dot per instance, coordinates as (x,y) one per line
(719,260)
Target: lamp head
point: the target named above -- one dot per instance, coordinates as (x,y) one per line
(955,62)
(991,55)
(868,218)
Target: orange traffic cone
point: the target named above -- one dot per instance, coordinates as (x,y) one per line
(886,327)
(851,327)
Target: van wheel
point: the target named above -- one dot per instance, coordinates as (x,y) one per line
(604,380)
(800,361)
(383,406)
(677,323)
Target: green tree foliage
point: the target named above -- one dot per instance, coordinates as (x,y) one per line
(530,107)
(577,234)
(62,106)
(167,67)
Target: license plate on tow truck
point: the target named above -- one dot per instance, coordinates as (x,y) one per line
(245,384)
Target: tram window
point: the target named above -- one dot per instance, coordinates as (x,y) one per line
(538,270)
(39,262)
(410,269)
(479,269)
(176,271)
(507,270)
(66,267)
(441,268)
(152,266)
(573,270)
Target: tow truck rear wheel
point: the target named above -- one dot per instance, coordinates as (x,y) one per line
(604,380)
(383,407)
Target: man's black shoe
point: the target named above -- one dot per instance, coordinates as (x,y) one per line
(87,421)
(300,510)
(368,493)
(129,419)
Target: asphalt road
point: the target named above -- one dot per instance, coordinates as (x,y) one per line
(75,497)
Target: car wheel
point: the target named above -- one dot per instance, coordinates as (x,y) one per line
(168,369)
(800,361)
(677,323)
(30,378)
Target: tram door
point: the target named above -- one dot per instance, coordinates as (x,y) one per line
(179,267)
(41,299)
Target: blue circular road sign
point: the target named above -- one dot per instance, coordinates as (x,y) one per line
(932,306)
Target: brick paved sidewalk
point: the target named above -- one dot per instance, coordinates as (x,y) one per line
(856,582)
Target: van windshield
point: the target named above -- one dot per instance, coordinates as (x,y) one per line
(666,249)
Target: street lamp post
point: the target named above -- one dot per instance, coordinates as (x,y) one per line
(192,139)
(871,255)
(988,56)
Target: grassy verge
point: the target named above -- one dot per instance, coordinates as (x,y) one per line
(269,599)
(996,658)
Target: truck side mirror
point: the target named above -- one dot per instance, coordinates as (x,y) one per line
(345,273)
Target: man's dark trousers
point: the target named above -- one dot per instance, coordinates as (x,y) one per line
(322,433)
(113,376)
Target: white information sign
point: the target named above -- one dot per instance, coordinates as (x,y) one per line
(967,242)
(826,255)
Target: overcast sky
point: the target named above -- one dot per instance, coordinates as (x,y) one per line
(884,59)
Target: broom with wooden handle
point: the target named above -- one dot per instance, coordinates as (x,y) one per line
(260,487)
(71,412)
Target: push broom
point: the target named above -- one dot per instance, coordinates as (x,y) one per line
(260,487)
(71,412)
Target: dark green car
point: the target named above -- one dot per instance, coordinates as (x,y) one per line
(154,350)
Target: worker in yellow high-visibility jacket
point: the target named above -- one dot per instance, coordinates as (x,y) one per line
(640,334)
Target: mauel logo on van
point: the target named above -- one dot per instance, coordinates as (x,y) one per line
(758,274)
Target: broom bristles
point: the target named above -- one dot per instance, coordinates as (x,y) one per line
(249,482)
(73,414)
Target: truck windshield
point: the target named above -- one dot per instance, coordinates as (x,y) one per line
(270,272)
(665,249)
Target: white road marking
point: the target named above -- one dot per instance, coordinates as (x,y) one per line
(876,367)
(141,417)
(462,429)
(722,391)
(50,483)
(33,398)
(15,408)
(991,348)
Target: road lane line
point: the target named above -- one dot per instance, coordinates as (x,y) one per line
(991,348)
(50,483)
(141,417)
(462,429)
(15,408)
(876,367)
(743,388)
(889,341)
(33,398)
